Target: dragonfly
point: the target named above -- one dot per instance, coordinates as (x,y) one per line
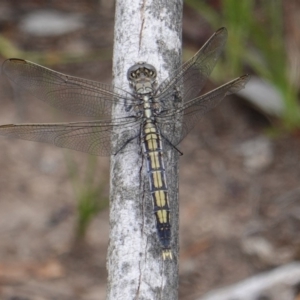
(148,114)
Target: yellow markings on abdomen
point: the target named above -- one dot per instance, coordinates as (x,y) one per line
(152,143)
(160,198)
(157,179)
(155,160)
(151,140)
(167,254)
(153,152)
(162,216)
(151,137)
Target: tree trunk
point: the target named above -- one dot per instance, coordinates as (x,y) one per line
(147,31)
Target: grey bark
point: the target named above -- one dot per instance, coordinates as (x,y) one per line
(148,30)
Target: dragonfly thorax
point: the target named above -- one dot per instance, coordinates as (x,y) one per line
(142,78)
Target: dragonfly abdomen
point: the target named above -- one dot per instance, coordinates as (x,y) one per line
(153,153)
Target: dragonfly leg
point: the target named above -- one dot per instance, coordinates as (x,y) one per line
(172,146)
(125,144)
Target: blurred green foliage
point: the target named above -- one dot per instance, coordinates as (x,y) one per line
(256,39)
(89,192)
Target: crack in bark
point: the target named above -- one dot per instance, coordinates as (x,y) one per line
(139,282)
(143,22)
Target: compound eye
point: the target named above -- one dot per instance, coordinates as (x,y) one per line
(152,73)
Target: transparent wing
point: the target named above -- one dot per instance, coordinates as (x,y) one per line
(191,76)
(93,137)
(190,113)
(75,95)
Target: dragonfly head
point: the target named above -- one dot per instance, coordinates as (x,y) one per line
(142,77)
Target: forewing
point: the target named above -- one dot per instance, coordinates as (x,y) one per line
(75,95)
(192,111)
(191,76)
(93,137)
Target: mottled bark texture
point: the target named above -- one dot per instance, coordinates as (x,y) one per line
(147,30)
